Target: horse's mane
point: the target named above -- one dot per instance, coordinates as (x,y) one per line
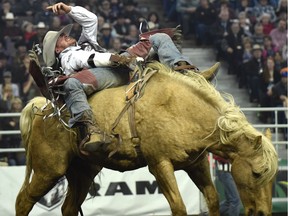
(196,82)
(232,122)
(231,117)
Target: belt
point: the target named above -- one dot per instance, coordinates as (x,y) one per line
(224,167)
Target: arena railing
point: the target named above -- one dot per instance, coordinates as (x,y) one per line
(275,126)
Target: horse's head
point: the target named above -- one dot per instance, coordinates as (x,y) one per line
(253,171)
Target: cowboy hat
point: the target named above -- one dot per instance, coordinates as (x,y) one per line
(256,47)
(49,44)
(9,16)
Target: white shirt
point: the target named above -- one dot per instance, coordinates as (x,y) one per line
(74,58)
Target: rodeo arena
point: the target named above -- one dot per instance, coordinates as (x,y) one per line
(197,127)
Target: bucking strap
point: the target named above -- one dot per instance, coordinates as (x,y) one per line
(130,107)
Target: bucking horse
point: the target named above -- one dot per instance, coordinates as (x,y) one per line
(175,123)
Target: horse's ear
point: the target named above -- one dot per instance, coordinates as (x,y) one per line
(257,142)
(268,133)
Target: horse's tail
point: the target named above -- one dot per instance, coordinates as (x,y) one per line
(26,119)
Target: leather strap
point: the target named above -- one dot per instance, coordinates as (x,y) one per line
(186,67)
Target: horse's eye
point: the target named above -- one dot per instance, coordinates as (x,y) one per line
(256,175)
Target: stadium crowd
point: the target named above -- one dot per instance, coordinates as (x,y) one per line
(250,35)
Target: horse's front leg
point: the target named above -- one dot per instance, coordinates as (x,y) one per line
(200,175)
(40,184)
(164,174)
(80,176)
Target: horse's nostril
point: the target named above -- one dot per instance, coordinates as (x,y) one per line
(251,212)
(260,213)
(256,175)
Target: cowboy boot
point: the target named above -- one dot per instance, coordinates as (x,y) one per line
(94,138)
(208,74)
(143,47)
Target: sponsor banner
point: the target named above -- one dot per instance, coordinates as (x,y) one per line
(113,193)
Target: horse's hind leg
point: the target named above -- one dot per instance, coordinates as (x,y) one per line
(40,184)
(80,175)
(164,174)
(200,175)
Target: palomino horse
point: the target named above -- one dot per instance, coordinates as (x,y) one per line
(178,120)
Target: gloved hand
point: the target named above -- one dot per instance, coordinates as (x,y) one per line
(129,61)
(121,59)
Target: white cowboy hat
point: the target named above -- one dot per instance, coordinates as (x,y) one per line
(41,25)
(49,44)
(9,16)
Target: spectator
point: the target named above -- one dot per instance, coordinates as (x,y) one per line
(186,10)
(246,57)
(269,49)
(244,5)
(7,76)
(29,34)
(281,10)
(274,3)
(121,27)
(170,12)
(280,99)
(106,11)
(253,70)
(116,7)
(205,15)
(6,8)
(231,204)
(279,63)
(279,34)
(132,15)
(21,51)
(232,47)
(43,15)
(258,35)
(266,23)
(19,72)
(28,86)
(3,48)
(268,79)
(41,29)
(56,24)
(247,50)
(219,31)
(116,46)
(13,141)
(261,8)
(28,8)
(154,18)
(5,98)
(4,66)
(133,35)
(225,6)
(105,38)
(11,32)
(245,24)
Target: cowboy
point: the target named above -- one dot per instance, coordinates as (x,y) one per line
(105,69)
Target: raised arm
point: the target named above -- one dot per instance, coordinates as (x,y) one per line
(85,18)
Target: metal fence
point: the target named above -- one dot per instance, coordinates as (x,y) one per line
(276,140)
